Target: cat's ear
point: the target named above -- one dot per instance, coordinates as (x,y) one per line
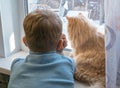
(67,17)
(80,15)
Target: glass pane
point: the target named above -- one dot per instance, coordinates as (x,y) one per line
(43,4)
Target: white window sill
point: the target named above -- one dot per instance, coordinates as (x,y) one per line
(5,63)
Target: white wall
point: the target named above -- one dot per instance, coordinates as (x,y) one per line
(1,40)
(1,37)
(10,26)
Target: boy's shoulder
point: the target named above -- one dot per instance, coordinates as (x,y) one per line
(17,61)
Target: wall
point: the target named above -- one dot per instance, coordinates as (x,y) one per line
(1,40)
(10,26)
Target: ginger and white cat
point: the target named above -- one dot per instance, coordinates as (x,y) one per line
(89,51)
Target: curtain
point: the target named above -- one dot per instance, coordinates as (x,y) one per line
(112,39)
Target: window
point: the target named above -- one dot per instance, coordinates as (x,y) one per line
(93,9)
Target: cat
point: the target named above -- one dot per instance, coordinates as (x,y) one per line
(89,51)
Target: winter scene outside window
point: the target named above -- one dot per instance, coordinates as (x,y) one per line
(93,9)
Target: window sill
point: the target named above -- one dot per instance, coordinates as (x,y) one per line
(5,63)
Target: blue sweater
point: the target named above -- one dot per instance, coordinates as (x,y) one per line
(42,70)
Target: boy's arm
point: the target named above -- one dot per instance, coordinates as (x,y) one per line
(62,44)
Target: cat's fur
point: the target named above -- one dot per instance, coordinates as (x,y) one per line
(89,51)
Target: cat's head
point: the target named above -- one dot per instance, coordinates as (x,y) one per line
(79,30)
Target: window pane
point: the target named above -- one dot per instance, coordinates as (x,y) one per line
(43,4)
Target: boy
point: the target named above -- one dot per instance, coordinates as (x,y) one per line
(43,67)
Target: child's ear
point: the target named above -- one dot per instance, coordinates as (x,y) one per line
(24,40)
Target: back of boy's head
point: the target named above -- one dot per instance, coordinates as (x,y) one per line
(43,29)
